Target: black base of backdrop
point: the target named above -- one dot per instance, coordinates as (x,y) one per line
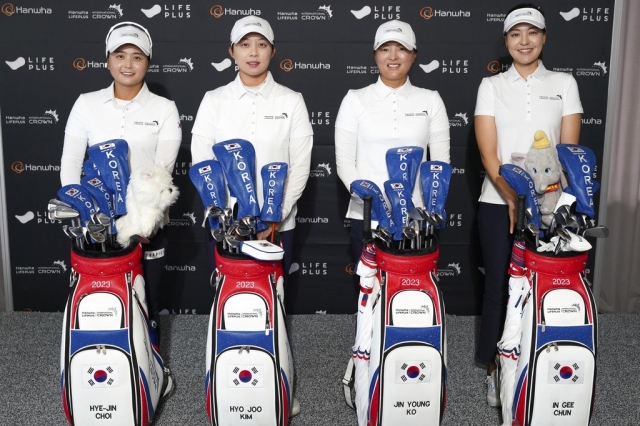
(55,51)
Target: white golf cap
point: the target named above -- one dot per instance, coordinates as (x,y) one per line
(526,15)
(395,31)
(129,33)
(251,24)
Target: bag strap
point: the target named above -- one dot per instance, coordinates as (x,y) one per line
(347,384)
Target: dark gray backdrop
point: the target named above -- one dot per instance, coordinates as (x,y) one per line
(62,47)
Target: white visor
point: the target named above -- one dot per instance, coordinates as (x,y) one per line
(525,15)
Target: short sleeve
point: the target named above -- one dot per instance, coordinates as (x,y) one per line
(571,102)
(485,103)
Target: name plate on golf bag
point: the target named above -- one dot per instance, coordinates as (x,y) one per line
(111,372)
(408,364)
(556,374)
(249,375)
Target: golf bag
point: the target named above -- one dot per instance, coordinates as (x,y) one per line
(556,373)
(249,372)
(111,372)
(407,362)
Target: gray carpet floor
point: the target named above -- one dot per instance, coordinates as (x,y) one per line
(30,368)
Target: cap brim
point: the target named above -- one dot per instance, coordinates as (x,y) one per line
(133,41)
(253,30)
(531,21)
(402,42)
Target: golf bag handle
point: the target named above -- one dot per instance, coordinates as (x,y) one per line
(366,218)
(520,213)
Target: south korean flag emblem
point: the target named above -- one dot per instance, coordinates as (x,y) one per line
(566,372)
(100,376)
(245,376)
(413,372)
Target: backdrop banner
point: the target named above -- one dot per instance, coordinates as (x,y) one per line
(54,51)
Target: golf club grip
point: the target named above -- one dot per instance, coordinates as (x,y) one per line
(520,213)
(366,217)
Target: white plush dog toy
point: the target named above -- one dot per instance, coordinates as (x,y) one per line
(149,194)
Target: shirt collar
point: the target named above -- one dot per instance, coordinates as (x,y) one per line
(383,90)
(540,72)
(264,89)
(142,97)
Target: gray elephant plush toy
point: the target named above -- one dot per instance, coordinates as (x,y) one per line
(542,163)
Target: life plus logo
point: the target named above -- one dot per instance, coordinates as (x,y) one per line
(39,63)
(447,66)
(379,12)
(320,118)
(169,11)
(587,14)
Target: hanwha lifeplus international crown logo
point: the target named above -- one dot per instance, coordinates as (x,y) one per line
(79,64)
(8,9)
(286,65)
(216,11)
(426,12)
(17,166)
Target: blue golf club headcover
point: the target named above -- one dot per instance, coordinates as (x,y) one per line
(238,160)
(579,162)
(400,199)
(90,169)
(380,211)
(208,179)
(111,159)
(78,198)
(274,176)
(435,177)
(520,181)
(403,164)
(102,196)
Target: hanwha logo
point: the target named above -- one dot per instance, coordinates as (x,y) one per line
(494,67)
(286,65)
(8,9)
(426,12)
(79,64)
(18,167)
(216,11)
(350,268)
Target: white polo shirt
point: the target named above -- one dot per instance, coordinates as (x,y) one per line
(375,118)
(273,118)
(149,123)
(523,106)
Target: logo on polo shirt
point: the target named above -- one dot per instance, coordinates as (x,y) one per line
(282,116)
(550,97)
(184,65)
(428,12)
(219,11)
(322,170)
(587,14)
(288,65)
(9,9)
(379,12)
(172,11)
(598,69)
(40,63)
(153,123)
(459,120)
(416,114)
(324,13)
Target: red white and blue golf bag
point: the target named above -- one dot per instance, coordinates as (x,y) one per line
(111,372)
(552,317)
(249,377)
(400,354)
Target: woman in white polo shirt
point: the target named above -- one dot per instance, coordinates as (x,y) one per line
(245,108)
(510,107)
(387,114)
(124,110)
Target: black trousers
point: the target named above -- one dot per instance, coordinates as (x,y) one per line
(496,243)
(357,229)
(153,261)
